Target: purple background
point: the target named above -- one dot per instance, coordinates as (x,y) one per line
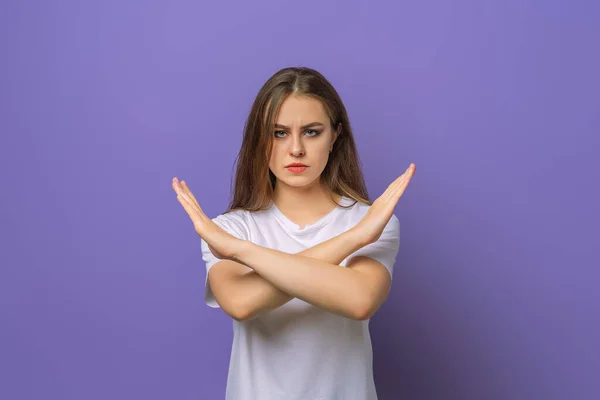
(496,285)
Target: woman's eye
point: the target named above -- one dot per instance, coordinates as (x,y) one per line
(311,132)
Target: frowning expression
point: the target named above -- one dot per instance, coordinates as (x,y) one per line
(302,135)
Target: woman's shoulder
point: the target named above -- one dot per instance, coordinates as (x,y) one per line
(360,210)
(357,206)
(236,216)
(234,222)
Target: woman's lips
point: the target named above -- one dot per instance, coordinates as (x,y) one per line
(296,170)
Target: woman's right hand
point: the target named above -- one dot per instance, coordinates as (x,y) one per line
(372,224)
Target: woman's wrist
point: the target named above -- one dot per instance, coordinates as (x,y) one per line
(357,237)
(240,250)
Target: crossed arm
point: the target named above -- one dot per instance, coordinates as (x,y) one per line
(312,275)
(355,291)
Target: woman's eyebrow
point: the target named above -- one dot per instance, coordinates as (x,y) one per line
(312,124)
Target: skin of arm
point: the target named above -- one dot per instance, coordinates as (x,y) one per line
(256,295)
(321,282)
(355,291)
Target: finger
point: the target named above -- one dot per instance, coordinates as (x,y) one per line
(192,199)
(402,177)
(397,187)
(180,188)
(193,202)
(393,187)
(185,202)
(176,186)
(406,176)
(190,194)
(403,180)
(192,213)
(397,190)
(401,187)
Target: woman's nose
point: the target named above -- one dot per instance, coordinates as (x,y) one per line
(297,152)
(296,146)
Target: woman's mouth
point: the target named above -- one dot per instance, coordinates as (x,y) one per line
(297,170)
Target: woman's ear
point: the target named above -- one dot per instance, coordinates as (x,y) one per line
(337,133)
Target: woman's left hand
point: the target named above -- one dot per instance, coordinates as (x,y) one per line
(221,243)
(371,226)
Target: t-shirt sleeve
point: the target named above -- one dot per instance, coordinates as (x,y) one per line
(232,224)
(385,249)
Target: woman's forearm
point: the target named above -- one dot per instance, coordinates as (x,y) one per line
(320,282)
(267,297)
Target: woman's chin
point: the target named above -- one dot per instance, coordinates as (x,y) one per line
(298,181)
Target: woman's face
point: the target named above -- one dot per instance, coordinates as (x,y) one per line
(303,135)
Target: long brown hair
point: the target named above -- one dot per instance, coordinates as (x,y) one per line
(254,182)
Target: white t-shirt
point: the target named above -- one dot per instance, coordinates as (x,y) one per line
(299,351)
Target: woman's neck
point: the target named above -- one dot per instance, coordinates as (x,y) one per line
(304,206)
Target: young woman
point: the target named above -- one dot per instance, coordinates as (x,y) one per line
(301,259)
